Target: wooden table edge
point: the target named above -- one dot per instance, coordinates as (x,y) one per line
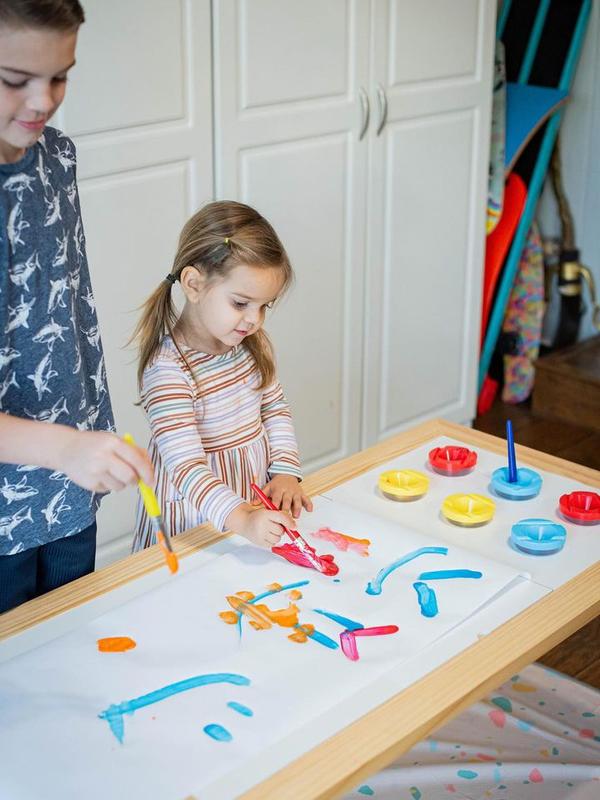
(393,727)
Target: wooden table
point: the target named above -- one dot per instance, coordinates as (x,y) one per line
(389,730)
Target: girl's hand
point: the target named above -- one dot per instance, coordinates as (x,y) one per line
(286,493)
(259,525)
(102,462)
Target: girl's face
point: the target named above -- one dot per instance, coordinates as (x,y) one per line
(219,314)
(33,72)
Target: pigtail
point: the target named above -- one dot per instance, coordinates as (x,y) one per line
(158,318)
(261,350)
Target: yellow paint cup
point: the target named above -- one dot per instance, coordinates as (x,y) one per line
(468,510)
(403,484)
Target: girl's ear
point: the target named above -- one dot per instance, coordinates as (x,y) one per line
(193,283)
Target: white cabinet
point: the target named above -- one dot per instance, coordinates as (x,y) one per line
(361,130)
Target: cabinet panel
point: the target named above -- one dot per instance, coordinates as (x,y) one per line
(426,229)
(437,42)
(292,51)
(141,88)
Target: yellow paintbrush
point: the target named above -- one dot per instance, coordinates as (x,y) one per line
(153,511)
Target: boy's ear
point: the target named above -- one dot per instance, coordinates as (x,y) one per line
(193,283)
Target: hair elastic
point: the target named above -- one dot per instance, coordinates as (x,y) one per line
(226,240)
(170,278)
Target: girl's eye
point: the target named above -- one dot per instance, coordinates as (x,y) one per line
(239,304)
(60,79)
(10,85)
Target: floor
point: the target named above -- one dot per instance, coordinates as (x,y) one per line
(579,655)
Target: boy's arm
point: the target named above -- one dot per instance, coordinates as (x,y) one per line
(96,460)
(168,399)
(277,420)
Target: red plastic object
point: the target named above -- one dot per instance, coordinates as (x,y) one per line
(487,395)
(498,242)
(452,460)
(581,507)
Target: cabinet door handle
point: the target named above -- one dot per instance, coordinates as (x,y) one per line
(383,107)
(365,112)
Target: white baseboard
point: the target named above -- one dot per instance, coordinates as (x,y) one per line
(113,551)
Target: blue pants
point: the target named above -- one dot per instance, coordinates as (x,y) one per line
(38,570)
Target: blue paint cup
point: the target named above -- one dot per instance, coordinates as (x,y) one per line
(527,485)
(538,537)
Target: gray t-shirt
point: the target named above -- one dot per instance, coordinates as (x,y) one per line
(51,360)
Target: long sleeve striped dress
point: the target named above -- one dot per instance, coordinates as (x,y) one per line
(212,433)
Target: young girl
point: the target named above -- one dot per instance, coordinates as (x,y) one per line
(218,416)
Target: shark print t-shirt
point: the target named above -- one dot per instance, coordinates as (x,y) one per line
(51,360)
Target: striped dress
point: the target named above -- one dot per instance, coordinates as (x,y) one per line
(212,434)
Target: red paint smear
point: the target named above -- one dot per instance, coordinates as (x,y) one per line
(535,776)
(586,733)
(294,555)
(115,644)
(485,757)
(348,638)
(450,788)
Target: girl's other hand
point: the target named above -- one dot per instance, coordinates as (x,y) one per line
(260,526)
(286,493)
(102,462)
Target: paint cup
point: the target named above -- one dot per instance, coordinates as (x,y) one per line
(452,461)
(468,510)
(538,537)
(582,508)
(403,484)
(527,485)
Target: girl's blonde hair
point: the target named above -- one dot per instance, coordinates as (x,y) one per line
(218,238)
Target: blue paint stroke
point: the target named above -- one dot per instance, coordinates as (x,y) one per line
(114,713)
(217,732)
(374,586)
(366,790)
(241,709)
(319,637)
(348,624)
(427,599)
(444,574)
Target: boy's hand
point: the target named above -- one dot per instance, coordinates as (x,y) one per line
(102,462)
(259,525)
(286,493)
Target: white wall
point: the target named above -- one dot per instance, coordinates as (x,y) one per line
(580,149)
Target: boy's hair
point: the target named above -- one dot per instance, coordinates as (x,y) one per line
(218,238)
(55,14)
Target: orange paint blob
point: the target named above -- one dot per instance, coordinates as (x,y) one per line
(230,617)
(302,633)
(523,687)
(295,594)
(245,596)
(115,644)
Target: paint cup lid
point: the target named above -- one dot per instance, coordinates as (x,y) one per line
(468,509)
(527,485)
(403,484)
(538,536)
(581,507)
(452,460)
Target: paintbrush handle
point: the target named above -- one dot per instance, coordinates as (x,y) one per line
(151,504)
(512,459)
(268,503)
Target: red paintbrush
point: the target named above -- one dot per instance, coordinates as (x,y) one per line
(320,563)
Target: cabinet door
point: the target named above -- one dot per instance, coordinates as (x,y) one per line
(432,62)
(142,127)
(288,117)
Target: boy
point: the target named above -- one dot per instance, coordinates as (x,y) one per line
(51,361)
